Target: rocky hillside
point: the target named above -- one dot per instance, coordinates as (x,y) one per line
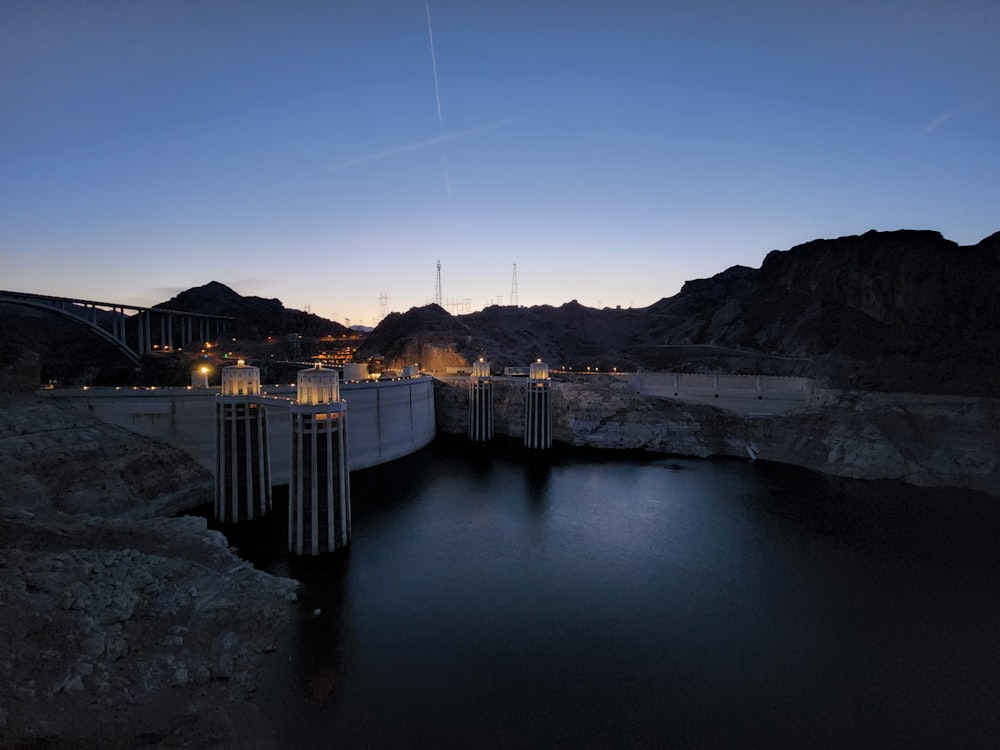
(890,311)
(254,317)
(55,457)
(910,310)
(122,628)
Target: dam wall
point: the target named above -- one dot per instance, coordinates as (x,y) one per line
(385,420)
(388,420)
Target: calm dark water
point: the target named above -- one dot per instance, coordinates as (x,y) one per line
(593,601)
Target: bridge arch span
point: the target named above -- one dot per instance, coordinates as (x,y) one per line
(108,320)
(122,346)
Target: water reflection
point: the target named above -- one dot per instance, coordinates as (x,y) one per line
(588,600)
(324,635)
(537,470)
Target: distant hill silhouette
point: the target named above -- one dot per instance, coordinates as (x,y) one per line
(254,317)
(903,310)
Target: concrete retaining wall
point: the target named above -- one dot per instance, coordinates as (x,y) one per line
(735,392)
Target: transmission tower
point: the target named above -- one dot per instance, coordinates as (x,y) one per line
(513,289)
(383,306)
(438,299)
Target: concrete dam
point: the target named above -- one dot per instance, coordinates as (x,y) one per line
(387,419)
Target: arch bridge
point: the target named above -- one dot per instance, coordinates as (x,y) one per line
(134,330)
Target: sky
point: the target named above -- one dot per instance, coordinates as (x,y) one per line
(332,153)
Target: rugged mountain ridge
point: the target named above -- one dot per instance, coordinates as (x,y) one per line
(895,311)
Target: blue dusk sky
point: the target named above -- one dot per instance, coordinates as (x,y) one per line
(327,153)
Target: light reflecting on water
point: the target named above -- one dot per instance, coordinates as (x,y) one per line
(587,600)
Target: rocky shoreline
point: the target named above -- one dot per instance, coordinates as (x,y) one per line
(122,628)
(924,440)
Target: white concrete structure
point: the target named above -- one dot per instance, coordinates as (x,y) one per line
(356,371)
(538,407)
(389,419)
(319,500)
(242,465)
(480,402)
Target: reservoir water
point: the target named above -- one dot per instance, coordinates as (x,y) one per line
(491,599)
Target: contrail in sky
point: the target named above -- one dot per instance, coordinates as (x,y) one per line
(434,67)
(437,92)
(937,122)
(420,145)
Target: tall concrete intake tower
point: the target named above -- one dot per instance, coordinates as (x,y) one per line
(538,407)
(480,402)
(319,500)
(243,465)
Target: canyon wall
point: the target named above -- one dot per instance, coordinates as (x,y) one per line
(947,441)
